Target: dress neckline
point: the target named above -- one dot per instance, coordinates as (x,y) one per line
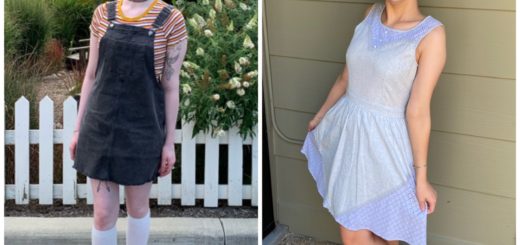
(398,30)
(135,18)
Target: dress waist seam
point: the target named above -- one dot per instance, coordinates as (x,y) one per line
(398,113)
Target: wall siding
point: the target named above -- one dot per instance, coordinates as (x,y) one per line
(472,144)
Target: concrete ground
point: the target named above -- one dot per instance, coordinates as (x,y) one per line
(181,230)
(282,236)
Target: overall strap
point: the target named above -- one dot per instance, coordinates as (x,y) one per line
(111,9)
(163,15)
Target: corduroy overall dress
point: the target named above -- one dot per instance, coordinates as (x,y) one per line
(122,132)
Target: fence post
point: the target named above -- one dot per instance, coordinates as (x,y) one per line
(90,195)
(187,164)
(21,144)
(254,169)
(235,168)
(69,173)
(46,145)
(211,171)
(164,188)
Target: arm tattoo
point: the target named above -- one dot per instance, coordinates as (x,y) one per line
(170,60)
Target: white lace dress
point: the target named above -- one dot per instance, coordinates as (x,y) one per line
(359,154)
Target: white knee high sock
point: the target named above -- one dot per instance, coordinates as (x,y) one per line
(138,230)
(106,237)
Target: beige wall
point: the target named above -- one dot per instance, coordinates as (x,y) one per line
(472,148)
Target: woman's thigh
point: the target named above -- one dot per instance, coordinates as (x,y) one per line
(138,199)
(106,202)
(364,236)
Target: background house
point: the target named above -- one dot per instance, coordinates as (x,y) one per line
(472,148)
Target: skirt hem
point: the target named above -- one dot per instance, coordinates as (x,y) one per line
(369,215)
(115,180)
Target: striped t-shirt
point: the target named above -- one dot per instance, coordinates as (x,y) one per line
(172,31)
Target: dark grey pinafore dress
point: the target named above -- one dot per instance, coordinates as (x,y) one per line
(122,132)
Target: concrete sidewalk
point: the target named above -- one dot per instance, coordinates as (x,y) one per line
(65,230)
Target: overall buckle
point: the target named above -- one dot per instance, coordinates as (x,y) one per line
(152,31)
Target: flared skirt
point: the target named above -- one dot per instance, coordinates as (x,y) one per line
(361,160)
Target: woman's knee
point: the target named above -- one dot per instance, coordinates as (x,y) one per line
(138,211)
(355,237)
(104,219)
(137,199)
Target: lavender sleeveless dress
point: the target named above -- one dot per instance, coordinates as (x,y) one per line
(359,154)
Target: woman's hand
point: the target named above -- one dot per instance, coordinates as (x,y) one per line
(426,194)
(167,159)
(313,123)
(72,146)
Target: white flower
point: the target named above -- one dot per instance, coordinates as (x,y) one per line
(185,74)
(252,23)
(199,52)
(208,33)
(221,109)
(218,132)
(243,6)
(230,104)
(245,84)
(215,97)
(230,27)
(218,5)
(235,82)
(200,21)
(252,73)
(221,132)
(205,2)
(212,14)
(241,91)
(238,68)
(187,102)
(243,61)
(248,43)
(188,64)
(186,89)
(230,4)
(193,23)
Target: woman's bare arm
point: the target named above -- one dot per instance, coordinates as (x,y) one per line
(431,60)
(89,78)
(170,83)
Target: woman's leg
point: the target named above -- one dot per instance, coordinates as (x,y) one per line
(106,211)
(361,237)
(138,207)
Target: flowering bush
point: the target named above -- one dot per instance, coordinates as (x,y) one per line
(219,75)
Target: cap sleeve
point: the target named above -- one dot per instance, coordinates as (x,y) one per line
(176,28)
(95,24)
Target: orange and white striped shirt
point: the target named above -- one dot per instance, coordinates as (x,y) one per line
(170,33)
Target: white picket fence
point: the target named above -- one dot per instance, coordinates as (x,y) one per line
(164,191)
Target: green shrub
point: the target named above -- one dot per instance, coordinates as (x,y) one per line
(19,82)
(28,26)
(26,33)
(219,75)
(12,37)
(70,19)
